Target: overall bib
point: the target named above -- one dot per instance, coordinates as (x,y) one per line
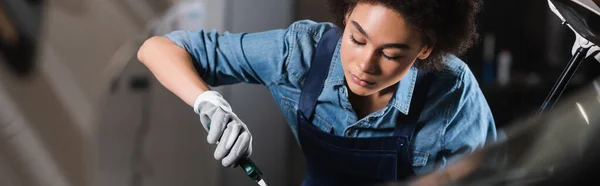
(338,160)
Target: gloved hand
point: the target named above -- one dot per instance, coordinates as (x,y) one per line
(224,128)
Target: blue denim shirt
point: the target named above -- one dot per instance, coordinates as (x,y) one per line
(456,119)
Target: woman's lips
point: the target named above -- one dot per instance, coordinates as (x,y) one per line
(360,82)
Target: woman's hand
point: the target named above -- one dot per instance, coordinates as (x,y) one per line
(224,128)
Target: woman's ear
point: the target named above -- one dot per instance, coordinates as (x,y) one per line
(348,14)
(425,52)
(346,17)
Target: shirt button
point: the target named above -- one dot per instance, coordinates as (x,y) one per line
(350,132)
(342,90)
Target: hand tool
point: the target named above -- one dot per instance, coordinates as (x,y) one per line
(250,169)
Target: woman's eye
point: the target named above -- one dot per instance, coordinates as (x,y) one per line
(355,41)
(391,57)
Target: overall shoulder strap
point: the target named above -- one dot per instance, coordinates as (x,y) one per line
(319,67)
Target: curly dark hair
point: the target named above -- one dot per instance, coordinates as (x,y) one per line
(448,25)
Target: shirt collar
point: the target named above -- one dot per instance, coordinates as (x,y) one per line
(404,91)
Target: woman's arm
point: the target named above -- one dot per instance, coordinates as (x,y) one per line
(173,67)
(188,63)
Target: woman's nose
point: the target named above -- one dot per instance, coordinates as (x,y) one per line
(367,63)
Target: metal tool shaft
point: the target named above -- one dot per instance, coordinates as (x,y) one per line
(563,80)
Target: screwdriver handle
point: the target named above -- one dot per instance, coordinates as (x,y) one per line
(248,166)
(250,169)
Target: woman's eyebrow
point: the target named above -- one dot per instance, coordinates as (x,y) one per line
(389,45)
(360,29)
(396,45)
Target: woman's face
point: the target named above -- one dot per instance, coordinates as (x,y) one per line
(378,48)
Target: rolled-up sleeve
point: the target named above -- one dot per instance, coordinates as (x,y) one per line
(229,58)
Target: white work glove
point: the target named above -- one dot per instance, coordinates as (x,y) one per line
(224,128)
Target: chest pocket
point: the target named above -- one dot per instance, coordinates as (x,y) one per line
(320,123)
